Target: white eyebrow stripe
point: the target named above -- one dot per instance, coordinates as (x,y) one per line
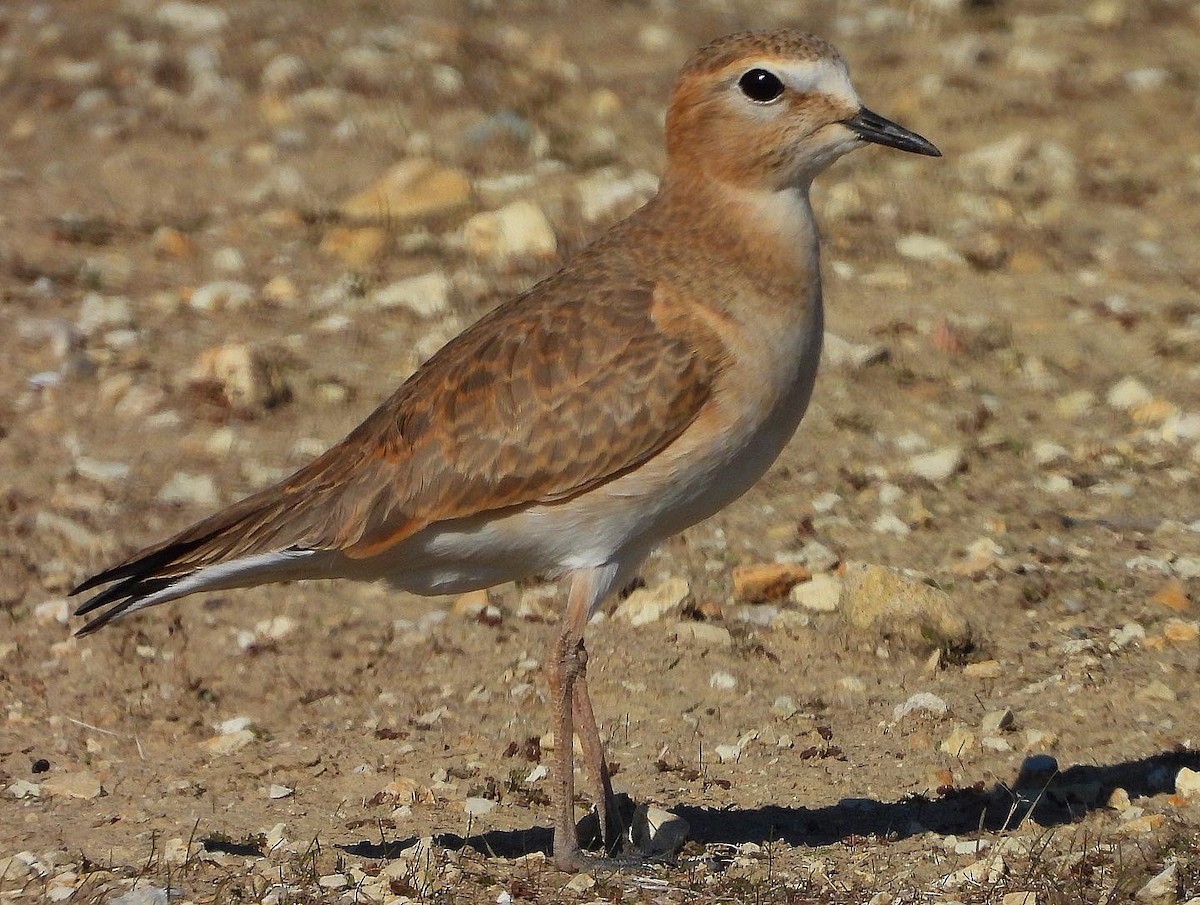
(825,76)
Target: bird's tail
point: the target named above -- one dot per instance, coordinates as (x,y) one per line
(233,548)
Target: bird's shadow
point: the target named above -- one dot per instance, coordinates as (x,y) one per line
(1039,793)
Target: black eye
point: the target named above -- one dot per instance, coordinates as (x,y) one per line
(761,86)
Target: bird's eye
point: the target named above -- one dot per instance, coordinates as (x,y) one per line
(761,86)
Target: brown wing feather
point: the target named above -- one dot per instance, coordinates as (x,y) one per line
(557,391)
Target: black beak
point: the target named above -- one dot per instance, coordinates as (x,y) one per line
(873,127)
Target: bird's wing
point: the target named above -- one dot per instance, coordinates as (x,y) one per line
(555,392)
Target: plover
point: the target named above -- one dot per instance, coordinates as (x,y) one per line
(638,390)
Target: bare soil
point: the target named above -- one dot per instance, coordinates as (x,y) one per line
(1057,271)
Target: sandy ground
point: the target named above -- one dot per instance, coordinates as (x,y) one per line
(192,306)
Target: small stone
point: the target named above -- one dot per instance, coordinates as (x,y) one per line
(1161,886)
(411,189)
(1187,783)
(841,353)
(477,807)
(821,594)
(23,788)
(985,872)
(722,681)
(885,604)
(1041,740)
(516,232)
(281,290)
(995,721)
(1156,691)
(1019,898)
(221,295)
(145,895)
(728,754)
(580,883)
(658,833)
(193,20)
(784,708)
(472,604)
(249,378)
(276,792)
(646,605)
(427,295)
(1047,453)
(1180,631)
(333,881)
(1128,394)
(229,743)
(1173,595)
(354,246)
(1118,800)
(73,785)
(604,197)
(995,743)
(923,703)
(928,250)
(939,465)
(99,313)
(228,260)
(761,582)
(852,685)
(187,489)
(960,740)
(1129,633)
(987,669)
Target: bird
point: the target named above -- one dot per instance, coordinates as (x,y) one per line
(639,389)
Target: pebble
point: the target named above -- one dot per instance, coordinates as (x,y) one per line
(784,708)
(1161,886)
(889,605)
(477,807)
(603,196)
(928,250)
(939,465)
(960,740)
(23,788)
(250,378)
(658,833)
(841,353)
(1127,394)
(650,604)
(580,883)
(516,232)
(333,881)
(722,681)
(411,189)
(427,295)
(277,792)
(146,895)
(704,633)
(728,754)
(73,785)
(186,489)
(761,582)
(98,313)
(821,594)
(1187,783)
(987,871)
(987,669)
(229,743)
(1118,800)
(923,703)
(192,20)
(221,295)
(995,721)
(1041,740)
(890,523)
(1019,898)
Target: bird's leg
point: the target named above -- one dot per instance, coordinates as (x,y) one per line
(565,669)
(593,755)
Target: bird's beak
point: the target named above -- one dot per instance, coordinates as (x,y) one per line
(873,127)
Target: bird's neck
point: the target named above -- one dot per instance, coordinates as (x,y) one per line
(766,236)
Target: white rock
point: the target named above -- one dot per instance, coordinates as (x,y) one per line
(928,249)
(923,703)
(1187,783)
(841,353)
(722,681)
(1148,79)
(646,605)
(276,792)
(188,489)
(516,231)
(939,465)
(477,807)
(604,196)
(427,295)
(658,833)
(221,295)
(1161,886)
(1047,453)
(821,594)
(194,20)
(23,788)
(728,754)
(890,523)
(228,260)
(1128,393)
(283,73)
(98,313)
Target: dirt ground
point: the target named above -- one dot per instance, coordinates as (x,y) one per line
(191,307)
